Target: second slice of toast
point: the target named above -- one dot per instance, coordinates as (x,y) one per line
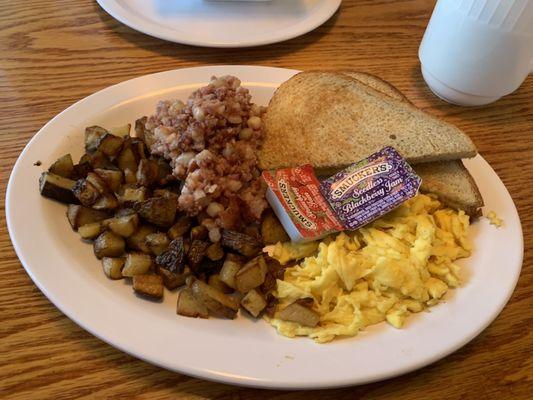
(449,180)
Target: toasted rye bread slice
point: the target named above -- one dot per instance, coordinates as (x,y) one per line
(449,180)
(452,184)
(329,120)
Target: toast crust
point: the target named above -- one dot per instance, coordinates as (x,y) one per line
(376,83)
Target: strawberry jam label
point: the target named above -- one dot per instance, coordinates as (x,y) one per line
(297,190)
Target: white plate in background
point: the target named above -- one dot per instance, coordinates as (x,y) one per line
(241,351)
(222,23)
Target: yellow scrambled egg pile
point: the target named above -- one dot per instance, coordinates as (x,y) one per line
(397,265)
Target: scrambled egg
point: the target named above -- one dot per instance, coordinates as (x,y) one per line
(396,265)
(494,219)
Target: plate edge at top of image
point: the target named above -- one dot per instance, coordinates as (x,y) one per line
(138,21)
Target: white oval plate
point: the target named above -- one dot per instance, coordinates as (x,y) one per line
(241,351)
(222,23)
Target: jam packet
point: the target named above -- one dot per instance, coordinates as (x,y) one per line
(295,196)
(310,209)
(370,188)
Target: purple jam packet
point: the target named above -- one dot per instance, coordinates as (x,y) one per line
(370,188)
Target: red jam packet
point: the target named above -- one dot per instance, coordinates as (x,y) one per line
(294,194)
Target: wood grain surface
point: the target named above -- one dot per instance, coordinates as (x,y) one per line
(54,53)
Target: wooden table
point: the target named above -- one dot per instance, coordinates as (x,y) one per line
(54,53)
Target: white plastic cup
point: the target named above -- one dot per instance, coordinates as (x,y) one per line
(476,51)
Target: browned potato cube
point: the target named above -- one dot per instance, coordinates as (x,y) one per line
(157,242)
(127,160)
(137,241)
(180,228)
(132,195)
(109,144)
(215,252)
(112,178)
(253,302)
(142,133)
(122,130)
(63,166)
(92,136)
(138,147)
(240,242)
(85,192)
(149,285)
(58,188)
(109,244)
(130,176)
(173,259)
(300,314)
(107,201)
(164,172)
(122,212)
(229,269)
(272,231)
(272,305)
(124,226)
(147,172)
(269,284)
(275,268)
(186,244)
(253,231)
(158,211)
(136,264)
(140,128)
(207,267)
(113,267)
(216,302)
(80,171)
(79,215)
(95,180)
(236,258)
(251,275)
(196,253)
(165,193)
(199,233)
(90,231)
(85,159)
(173,280)
(100,160)
(188,306)
(175,186)
(215,281)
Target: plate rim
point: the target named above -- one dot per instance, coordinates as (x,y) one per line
(213,375)
(115,10)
